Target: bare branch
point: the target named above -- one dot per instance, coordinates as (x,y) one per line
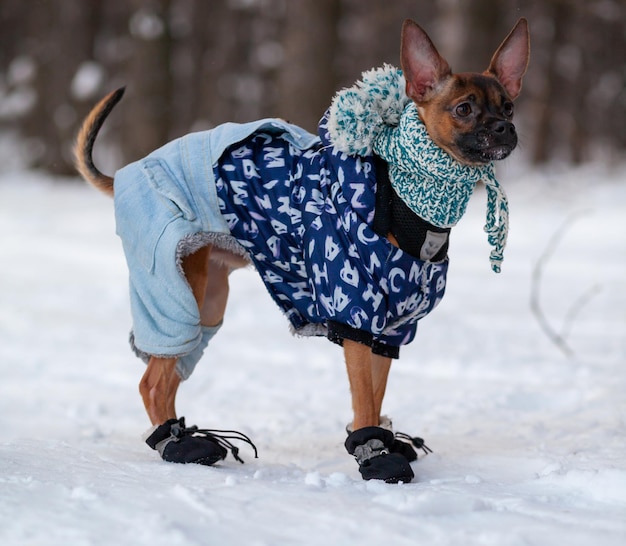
(577,307)
(558,338)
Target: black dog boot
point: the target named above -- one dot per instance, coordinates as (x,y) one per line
(177,443)
(371,447)
(404,444)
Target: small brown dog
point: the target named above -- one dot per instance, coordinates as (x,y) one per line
(345,238)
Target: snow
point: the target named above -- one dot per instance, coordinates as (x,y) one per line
(529,445)
(87,80)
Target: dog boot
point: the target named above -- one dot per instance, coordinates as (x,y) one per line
(177,443)
(402,443)
(371,449)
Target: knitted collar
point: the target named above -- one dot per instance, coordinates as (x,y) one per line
(376,116)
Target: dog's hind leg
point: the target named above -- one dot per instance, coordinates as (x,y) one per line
(380,371)
(207,275)
(158,388)
(209,283)
(216,293)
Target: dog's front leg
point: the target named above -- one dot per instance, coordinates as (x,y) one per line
(367,374)
(371,445)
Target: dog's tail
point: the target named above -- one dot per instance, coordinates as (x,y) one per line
(83,148)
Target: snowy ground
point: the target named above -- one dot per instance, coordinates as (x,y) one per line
(529,446)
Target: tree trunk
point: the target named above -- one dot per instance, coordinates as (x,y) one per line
(149,102)
(307,79)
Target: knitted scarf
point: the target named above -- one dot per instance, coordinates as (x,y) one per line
(376,116)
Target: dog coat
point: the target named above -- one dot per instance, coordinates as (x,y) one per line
(305,216)
(298,208)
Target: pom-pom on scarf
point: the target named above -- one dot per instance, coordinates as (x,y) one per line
(376,116)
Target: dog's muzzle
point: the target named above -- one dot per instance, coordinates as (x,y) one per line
(494,141)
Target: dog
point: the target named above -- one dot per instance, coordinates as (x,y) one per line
(349,230)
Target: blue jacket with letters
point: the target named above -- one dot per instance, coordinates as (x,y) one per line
(305,217)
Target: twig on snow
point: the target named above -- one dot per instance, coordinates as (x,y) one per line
(558,338)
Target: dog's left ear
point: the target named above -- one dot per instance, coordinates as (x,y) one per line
(510,61)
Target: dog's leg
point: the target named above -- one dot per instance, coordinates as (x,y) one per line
(160,382)
(158,388)
(371,445)
(359,365)
(380,371)
(216,294)
(367,374)
(207,275)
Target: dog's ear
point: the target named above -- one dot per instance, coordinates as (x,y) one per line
(422,65)
(510,61)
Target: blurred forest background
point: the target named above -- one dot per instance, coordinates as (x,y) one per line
(192,64)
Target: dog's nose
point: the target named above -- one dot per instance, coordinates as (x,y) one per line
(503,128)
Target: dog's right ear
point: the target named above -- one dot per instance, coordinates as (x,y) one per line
(422,65)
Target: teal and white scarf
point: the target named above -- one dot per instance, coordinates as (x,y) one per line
(376,116)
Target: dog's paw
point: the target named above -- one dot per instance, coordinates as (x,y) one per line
(403,443)
(177,443)
(390,468)
(372,449)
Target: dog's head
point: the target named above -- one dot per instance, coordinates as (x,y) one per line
(468,114)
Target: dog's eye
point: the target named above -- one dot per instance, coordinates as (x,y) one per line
(463,110)
(507,109)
